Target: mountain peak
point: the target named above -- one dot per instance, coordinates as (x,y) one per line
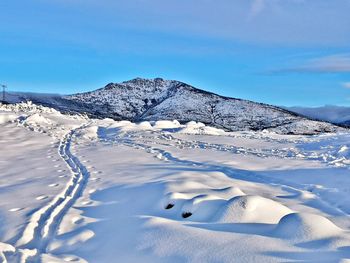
(140,83)
(139,80)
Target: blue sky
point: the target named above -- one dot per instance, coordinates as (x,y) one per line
(283,52)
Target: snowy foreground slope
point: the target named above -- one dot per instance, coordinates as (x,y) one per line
(74,189)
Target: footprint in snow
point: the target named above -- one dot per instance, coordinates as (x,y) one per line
(77,220)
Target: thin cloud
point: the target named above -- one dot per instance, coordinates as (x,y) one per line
(346,85)
(339,63)
(335,63)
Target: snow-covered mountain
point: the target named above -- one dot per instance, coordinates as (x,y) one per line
(158,99)
(155,99)
(331,113)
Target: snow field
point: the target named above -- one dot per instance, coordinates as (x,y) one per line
(168,192)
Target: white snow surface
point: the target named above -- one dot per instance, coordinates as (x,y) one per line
(75,189)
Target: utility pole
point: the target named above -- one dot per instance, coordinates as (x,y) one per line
(3,92)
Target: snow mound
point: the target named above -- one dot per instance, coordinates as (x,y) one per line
(145,125)
(252,209)
(344,151)
(199,128)
(122,124)
(38,120)
(228,192)
(166,124)
(198,202)
(174,199)
(305,226)
(195,125)
(5,118)
(108,121)
(202,207)
(88,133)
(126,126)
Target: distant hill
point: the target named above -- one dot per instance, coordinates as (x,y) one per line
(334,114)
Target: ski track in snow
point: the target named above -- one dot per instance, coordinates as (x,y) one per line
(41,230)
(230,172)
(44,223)
(286,153)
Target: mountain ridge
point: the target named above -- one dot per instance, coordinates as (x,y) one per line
(158,99)
(154,99)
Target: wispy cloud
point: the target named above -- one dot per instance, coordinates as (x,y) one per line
(346,85)
(339,63)
(335,63)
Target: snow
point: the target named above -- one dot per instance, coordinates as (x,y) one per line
(252,209)
(166,124)
(98,190)
(5,118)
(306,227)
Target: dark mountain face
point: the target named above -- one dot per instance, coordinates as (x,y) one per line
(159,99)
